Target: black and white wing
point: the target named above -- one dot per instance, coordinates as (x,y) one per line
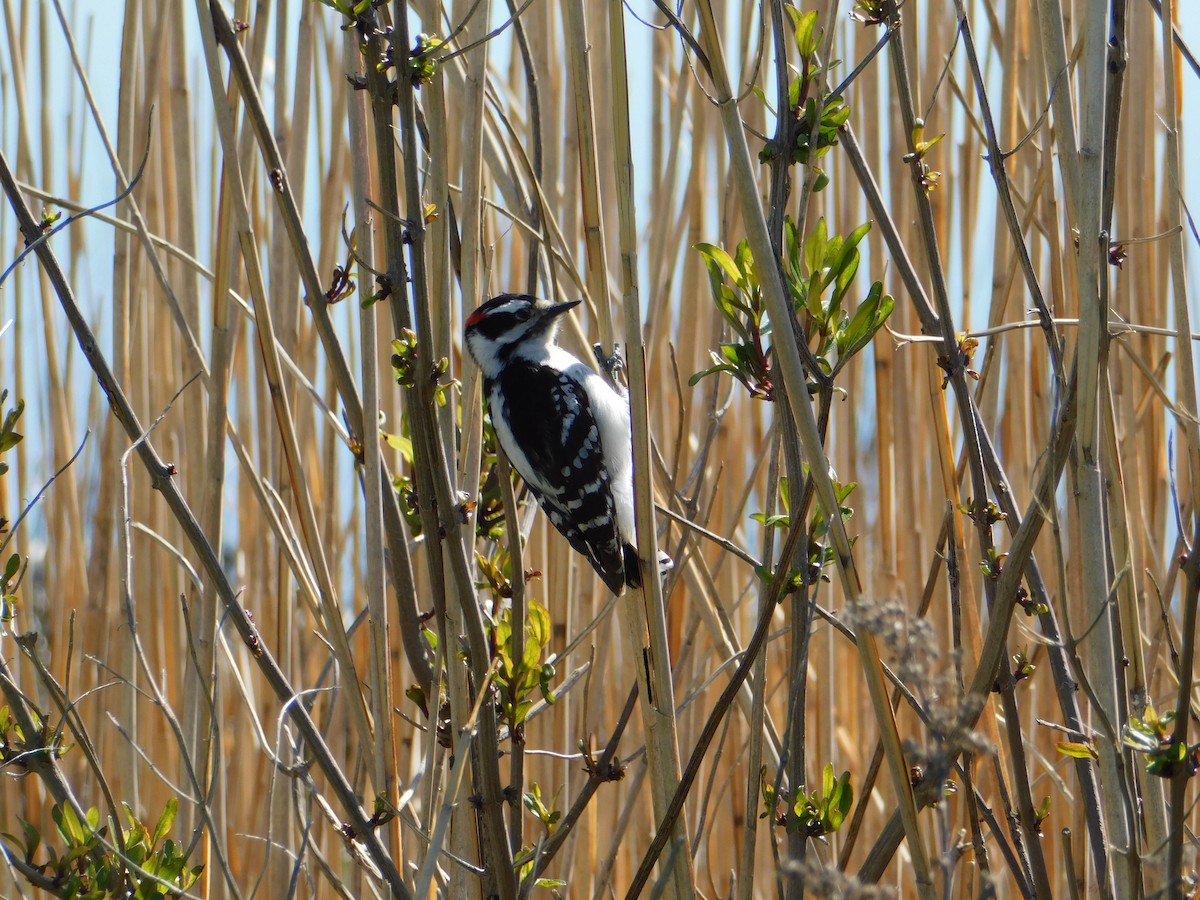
(544,421)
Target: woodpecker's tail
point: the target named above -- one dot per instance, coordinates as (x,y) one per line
(633,573)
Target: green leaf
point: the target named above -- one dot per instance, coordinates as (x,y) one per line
(846,800)
(719,261)
(165,821)
(847,254)
(767,789)
(777,521)
(721,265)
(12,567)
(1043,809)
(806,34)
(33,839)
(814,246)
(1077,750)
(734,354)
(794,93)
(545,676)
(731,309)
(10,419)
(835,116)
(744,260)
(791,246)
(868,319)
(401,443)
(695,379)
(1166,762)
(812,298)
(68,824)
(842,281)
(538,620)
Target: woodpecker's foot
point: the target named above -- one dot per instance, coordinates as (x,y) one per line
(612,365)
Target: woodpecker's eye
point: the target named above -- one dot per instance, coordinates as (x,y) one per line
(523,313)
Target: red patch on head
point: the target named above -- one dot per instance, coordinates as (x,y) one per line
(476,317)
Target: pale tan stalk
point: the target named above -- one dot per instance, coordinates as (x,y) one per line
(64,519)
(1186,386)
(644,614)
(207,480)
(199,679)
(578,50)
(1091,368)
(383,760)
(117,641)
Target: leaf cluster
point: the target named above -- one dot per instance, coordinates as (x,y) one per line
(817,124)
(407,366)
(818,273)
(10,577)
(739,298)
(550,815)
(86,869)
(349,8)
(928,177)
(16,746)
(422,60)
(1152,735)
(816,814)
(518,677)
(820,553)
(9,436)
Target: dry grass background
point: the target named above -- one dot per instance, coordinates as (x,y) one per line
(263,443)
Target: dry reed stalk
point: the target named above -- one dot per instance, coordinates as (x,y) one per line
(383,759)
(1090,367)
(1191,430)
(645,615)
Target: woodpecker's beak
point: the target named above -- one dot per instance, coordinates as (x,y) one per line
(557,309)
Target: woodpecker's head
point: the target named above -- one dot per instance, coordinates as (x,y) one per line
(512,323)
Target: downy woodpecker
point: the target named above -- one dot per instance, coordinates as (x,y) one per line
(563,427)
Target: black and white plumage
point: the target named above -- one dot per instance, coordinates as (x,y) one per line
(564,429)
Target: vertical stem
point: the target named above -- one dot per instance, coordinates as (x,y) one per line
(1191,430)
(758,688)
(516,558)
(382,758)
(575,26)
(1091,494)
(644,613)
